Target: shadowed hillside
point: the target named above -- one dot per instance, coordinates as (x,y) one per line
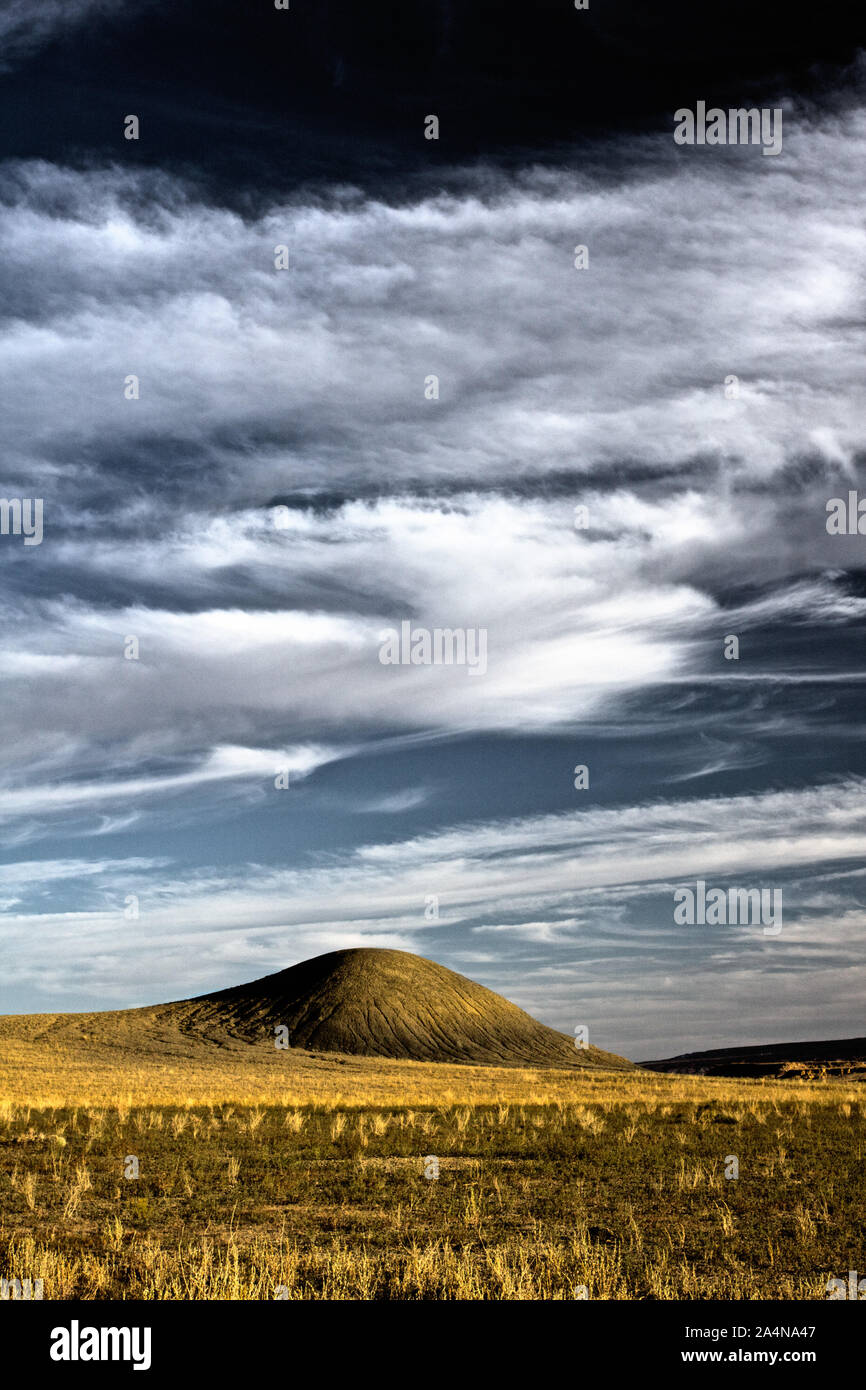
(370,1003)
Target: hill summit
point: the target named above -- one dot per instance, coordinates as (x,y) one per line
(383,1003)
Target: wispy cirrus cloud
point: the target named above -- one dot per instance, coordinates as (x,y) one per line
(135,276)
(222,765)
(591,890)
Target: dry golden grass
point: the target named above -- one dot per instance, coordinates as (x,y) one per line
(531,1201)
(302,1176)
(46,1075)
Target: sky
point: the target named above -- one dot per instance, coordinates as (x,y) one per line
(221,556)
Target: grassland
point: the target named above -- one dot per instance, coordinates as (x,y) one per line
(303,1177)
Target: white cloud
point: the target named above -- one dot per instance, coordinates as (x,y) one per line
(541,367)
(317,373)
(223,764)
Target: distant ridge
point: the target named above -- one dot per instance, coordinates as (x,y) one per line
(836,1057)
(365,1002)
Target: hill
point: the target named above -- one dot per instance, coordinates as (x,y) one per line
(367,1002)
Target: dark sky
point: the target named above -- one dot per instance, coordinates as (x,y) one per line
(253,99)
